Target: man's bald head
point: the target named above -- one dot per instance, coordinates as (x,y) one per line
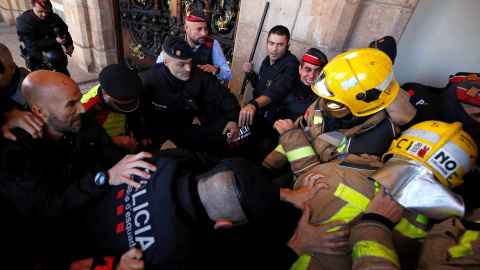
(55,98)
(44,86)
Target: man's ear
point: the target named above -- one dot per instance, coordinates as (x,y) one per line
(39,110)
(31,6)
(288,46)
(223,223)
(300,69)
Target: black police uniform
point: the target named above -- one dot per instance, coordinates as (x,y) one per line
(39,35)
(298,100)
(274,81)
(173,104)
(49,185)
(14,91)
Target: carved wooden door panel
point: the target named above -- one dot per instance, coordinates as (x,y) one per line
(141,26)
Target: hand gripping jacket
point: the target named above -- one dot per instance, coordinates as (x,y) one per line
(361,79)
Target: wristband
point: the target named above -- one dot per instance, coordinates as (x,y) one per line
(254,103)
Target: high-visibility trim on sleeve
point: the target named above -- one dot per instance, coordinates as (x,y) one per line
(408,229)
(299,153)
(302,262)
(369,248)
(465,246)
(279,149)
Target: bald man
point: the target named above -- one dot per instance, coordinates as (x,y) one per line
(50,182)
(12,103)
(209,55)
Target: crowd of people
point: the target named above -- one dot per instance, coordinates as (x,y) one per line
(335,166)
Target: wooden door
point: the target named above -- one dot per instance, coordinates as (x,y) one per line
(141,26)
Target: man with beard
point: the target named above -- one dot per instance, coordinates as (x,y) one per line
(208,53)
(47,184)
(176,93)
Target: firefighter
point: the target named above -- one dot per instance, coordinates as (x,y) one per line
(359,100)
(424,163)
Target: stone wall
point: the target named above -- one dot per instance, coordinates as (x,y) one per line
(333,26)
(11,9)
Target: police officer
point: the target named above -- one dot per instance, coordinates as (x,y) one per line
(274,81)
(209,56)
(177,92)
(178,223)
(44,33)
(114,102)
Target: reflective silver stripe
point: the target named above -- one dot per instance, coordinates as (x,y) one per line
(459,154)
(423,134)
(382,86)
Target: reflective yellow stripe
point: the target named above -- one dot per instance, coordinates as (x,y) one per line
(300,153)
(347,214)
(408,229)
(302,262)
(369,248)
(422,219)
(87,96)
(352,196)
(342,145)
(279,148)
(317,120)
(465,246)
(357,203)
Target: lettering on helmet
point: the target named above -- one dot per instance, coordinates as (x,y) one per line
(444,163)
(372,109)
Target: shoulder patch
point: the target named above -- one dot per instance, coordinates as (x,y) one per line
(97,108)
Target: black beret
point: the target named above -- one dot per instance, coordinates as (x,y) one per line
(388,45)
(123,85)
(195,15)
(177,47)
(256,194)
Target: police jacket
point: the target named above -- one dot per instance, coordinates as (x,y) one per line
(203,55)
(347,199)
(297,101)
(51,181)
(171,103)
(319,139)
(275,81)
(165,217)
(39,35)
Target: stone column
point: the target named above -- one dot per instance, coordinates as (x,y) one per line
(91,26)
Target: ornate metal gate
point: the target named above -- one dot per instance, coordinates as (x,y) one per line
(142,26)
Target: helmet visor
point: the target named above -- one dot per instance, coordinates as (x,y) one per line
(320,86)
(333,105)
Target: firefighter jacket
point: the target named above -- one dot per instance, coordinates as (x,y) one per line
(450,244)
(319,139)
(347,199)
